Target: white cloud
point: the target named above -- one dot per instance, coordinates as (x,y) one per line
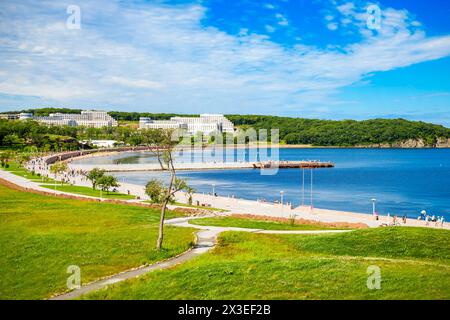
(269,28)
(159,58)
(282,21)
(346,8)
(332,26)
(269,6)
(135,83)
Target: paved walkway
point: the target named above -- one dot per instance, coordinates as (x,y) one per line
(25,183)
(267,165)
(206,240)
(235,205)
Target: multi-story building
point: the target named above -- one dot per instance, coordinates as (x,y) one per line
(95,119)
(206,123)
(25,116)
(9,116)
(148,123)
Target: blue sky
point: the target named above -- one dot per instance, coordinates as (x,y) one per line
(315,58)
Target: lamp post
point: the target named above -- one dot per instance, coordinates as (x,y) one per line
(281,196)
(312,202)
(373,205)
(303,187)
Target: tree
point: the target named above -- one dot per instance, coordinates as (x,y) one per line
(5,157)
(155,190)
(23,158)
(189,192)
(162,143)
(13,140)
(106,182)
(94,175)
(59,168)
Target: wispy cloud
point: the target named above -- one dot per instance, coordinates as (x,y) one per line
(135,83)
(282,20)
(157,57)
(269,6)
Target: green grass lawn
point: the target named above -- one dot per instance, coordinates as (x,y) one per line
(414,264)
(40,236)
(257,224)
(87,191)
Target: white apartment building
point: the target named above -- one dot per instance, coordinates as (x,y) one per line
(25,116)
(9,116)
(148,123)
(206,123)
(95,119)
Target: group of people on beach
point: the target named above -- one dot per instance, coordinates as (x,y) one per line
(437,220)
(395,219)
(72,175)
(39,165)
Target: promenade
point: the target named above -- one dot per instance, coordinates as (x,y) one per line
(232,205)
(265,165)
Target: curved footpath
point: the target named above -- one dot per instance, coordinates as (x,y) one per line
(206,240)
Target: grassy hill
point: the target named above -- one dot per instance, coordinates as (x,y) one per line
(41,236)
(414,264)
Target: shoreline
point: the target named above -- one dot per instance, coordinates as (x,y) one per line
(247,206)
(239,206)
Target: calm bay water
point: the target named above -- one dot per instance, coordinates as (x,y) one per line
(403,181)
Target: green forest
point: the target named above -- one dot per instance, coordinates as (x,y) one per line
(343,133)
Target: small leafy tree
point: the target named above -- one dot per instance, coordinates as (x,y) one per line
(155,190)
(59,168)
(106,182)
(158,192)
(189,192)
(94,176)
(5,158)
(162,144)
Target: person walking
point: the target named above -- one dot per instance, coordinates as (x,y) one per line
(423,214)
